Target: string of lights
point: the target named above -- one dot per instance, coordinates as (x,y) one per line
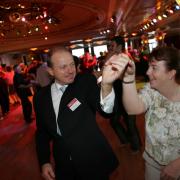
(161,14)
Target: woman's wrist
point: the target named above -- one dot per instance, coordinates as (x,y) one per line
(128,82)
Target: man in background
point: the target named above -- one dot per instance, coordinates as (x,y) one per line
(22,87)
(123,124)
(43,78)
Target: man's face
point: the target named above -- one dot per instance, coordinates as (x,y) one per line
(63,67)
(112,46)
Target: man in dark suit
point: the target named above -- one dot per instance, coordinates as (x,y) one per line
(126,129)
(65,114)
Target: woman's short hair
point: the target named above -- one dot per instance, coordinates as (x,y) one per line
(171,56)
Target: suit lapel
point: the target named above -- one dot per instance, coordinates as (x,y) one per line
(67,97)
(51,116)
(51,108)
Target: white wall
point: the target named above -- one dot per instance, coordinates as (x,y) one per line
(8,59)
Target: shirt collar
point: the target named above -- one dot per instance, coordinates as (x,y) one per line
(58,86)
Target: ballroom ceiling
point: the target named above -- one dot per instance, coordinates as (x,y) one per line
(42,23)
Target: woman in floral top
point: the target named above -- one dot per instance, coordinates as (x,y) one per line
(160,100)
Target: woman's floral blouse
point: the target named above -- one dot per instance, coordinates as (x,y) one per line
(162,126)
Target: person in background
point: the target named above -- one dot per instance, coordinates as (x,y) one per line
(24,68)
(129,133)
(172,39)
(77,64)
(32,69)
(89,62)
(43,78)
(66,116)
(22,87)
(100,61)
(142,64)
(160,101)
(4,95)
(12,94)
(32,73)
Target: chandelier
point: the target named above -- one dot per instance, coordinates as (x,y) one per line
(17,19)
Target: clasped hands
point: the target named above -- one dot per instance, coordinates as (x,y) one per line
(118,66)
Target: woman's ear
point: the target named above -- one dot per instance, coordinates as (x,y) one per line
(172,74)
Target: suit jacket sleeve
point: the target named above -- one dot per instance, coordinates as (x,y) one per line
(42,137)
(94,97)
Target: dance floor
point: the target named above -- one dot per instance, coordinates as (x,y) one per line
(18,157)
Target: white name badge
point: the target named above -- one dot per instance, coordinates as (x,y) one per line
(73,104)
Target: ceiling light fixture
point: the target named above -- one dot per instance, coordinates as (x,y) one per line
(33,49)
(32,18)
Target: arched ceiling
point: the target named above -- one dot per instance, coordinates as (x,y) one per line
(49,22)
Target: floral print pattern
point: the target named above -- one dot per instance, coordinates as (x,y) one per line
(162,126)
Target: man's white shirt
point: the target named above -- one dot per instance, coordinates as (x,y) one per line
(107,103)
